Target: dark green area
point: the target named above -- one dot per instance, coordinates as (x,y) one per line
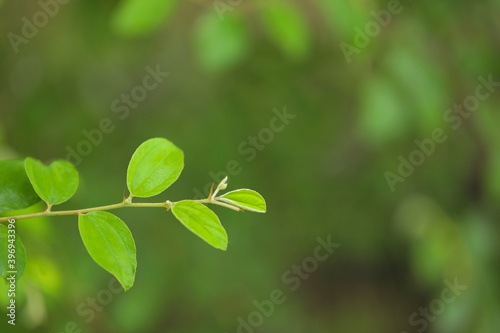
(403,99)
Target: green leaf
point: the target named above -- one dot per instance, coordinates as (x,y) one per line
(138,17)
(55,183)
(220,43)
(19,253)
(245,199)
(110,243)
(287,27)
(16,191)
(155,165)
(202,222)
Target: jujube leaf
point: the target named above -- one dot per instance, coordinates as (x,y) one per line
(110,243)
(245,199)
(16,191)
(55,183)
(155,165)
(202,222)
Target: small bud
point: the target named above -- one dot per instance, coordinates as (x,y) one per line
(222,186)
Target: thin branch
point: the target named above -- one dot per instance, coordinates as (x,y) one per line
(125,204)
(219,203)
(82,211)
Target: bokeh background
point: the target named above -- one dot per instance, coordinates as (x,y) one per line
(230,64)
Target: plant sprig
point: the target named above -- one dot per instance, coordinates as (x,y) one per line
(154,166)
(124,204)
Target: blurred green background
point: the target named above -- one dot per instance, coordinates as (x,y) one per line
(66,65)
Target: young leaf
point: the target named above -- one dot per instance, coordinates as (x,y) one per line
(155,165)
(202,222)
(19,254)
(109,242)
(55,183)
(16,191)
(245,199)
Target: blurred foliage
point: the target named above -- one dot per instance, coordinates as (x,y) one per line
(231,63)
(220,44)
(286,28)
(135,17)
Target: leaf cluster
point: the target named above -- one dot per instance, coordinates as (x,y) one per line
(155,165)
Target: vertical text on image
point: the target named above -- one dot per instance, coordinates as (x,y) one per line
(12,272)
